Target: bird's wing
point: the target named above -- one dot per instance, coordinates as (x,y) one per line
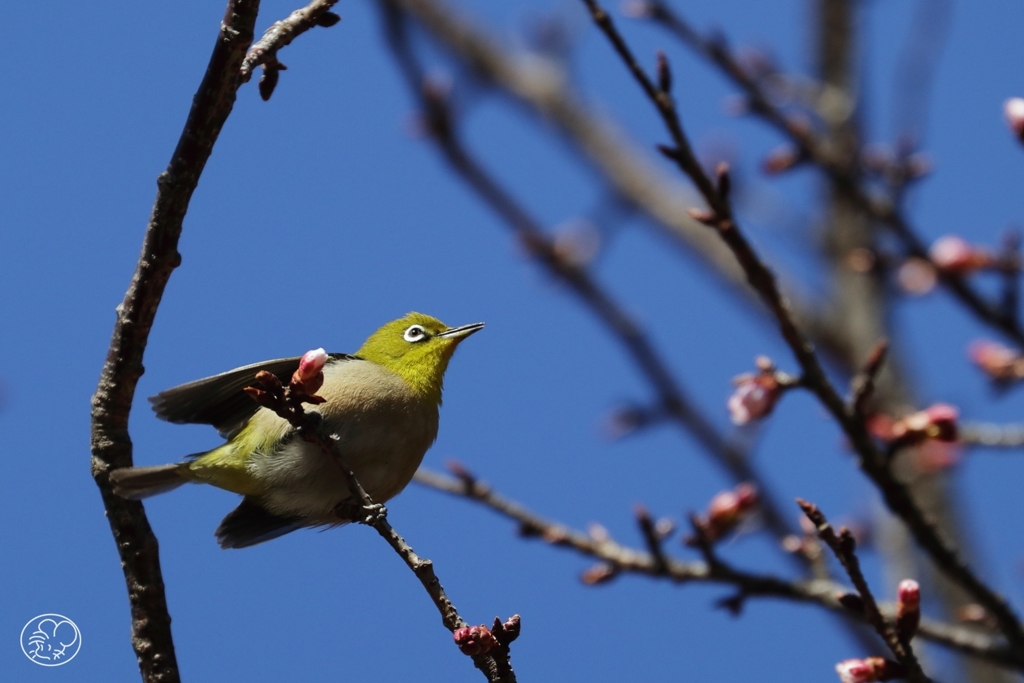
(221,400)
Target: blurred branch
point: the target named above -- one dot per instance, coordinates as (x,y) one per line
(873,462)
(621,559)
(843,169)
(541,88)
(992,435)
(672,399)
(111,444)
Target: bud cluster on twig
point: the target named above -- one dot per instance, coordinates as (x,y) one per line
(474,641)
(757,393)
(724,513)
(937,422)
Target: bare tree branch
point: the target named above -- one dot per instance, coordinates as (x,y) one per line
(842,169)
(874,463)
(673,401)
(111,445)
(542,89)
(264,51)
(286,401)
(624,560)
(844,548)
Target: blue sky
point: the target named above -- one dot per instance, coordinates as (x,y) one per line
(320,217)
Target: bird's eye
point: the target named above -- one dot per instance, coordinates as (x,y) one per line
(414,334)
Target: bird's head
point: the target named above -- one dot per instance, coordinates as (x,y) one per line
(416,347)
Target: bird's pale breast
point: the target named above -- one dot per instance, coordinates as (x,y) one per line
(383,430)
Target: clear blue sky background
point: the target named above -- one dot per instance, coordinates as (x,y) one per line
(320,217)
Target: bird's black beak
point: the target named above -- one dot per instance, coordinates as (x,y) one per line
(462,332)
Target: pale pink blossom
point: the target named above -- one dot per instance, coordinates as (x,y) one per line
(755,397)
(1013,110)
(310,373)
(955,254)
(856,671)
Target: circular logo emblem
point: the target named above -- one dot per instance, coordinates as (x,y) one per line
(51,640)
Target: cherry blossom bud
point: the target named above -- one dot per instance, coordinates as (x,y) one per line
(637,9)
(512,626)
(1013,110)
(916,276)
(860,670)
(908,608)
(754,398)
(474,640)
(937,422)
(598,574)
(727,509)
(577,242)
(780,159)
(957,255)
(973,613)
(310,373)
(999,362)
(793,544)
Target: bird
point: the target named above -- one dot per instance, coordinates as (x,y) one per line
(381,407)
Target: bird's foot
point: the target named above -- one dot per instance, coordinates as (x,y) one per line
(363,514)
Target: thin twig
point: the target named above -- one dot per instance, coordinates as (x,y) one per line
(286,402)
(844,548)
(872,461)
(992,435)
(111,444)
(542,90)
(672,399)
(845,174)
(283,32)
(625,560)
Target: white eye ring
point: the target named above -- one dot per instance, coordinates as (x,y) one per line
(414,334)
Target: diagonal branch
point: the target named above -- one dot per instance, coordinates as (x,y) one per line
(542,90)
(842,170)
(624,560)
(673,400)
(873,462)
(843,547)
(286,402)
(111,445)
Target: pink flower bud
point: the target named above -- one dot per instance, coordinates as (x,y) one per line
(598,574)
(997,361)
(857,670)
(311,363)
(1013,110)
(474,640)
(727,509)
(637,9)
(942,422)
(780,159)
(937,422)
(310,375)
(957,255)
(908,609)
(754,398)
(916,276)
(909,594)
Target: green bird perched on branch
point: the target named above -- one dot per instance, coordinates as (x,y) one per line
(380,406)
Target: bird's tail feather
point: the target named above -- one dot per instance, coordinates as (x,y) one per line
(135,483)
